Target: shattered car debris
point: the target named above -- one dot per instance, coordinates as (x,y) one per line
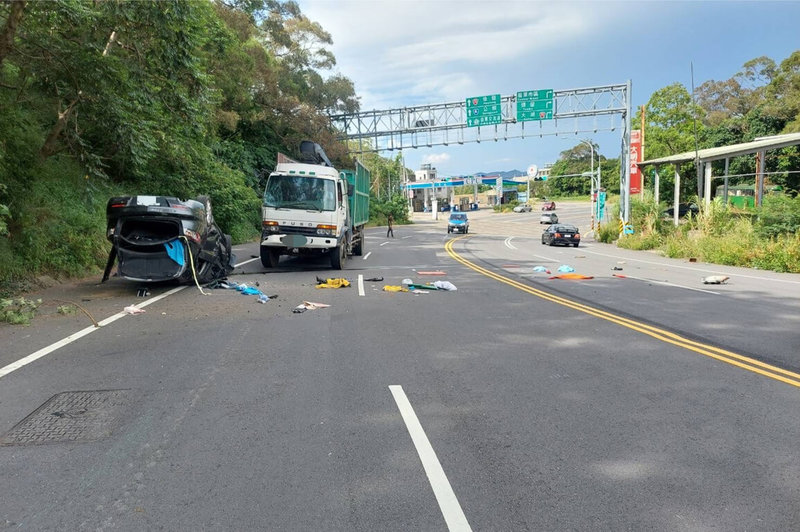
(162,238)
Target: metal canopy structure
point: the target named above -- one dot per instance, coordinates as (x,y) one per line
(726,152)
(706,156)
(583,110)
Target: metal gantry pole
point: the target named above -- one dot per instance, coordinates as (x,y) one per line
(591,178)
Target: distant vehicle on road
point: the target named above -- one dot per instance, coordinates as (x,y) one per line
(444,208)
(458,223)
(523,208)
(548,218)
(561,234)
(684,209)
(549,206)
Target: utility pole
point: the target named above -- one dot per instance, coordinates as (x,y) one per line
(641,192)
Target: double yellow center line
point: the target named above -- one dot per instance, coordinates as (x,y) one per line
(735,359)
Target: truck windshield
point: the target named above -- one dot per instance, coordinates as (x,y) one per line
(300,192)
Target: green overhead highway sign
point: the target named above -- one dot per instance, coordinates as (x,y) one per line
(544,94)
(535,105)
(484,110)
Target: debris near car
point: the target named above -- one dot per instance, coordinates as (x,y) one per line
(572,276)
(163,238)
(311,208)
(339,282)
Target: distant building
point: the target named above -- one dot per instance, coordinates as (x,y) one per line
(545,171)
(423,199)
(426,172)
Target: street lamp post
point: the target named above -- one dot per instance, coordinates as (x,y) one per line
(591,179)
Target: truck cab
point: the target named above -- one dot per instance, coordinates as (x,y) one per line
(309,208)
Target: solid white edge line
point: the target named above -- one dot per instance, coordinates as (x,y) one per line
(367,256)
(361,285)
(448,503)
(5,370)
(245,262)
(667,283)
(383,244)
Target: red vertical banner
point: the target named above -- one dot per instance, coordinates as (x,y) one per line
(636,157)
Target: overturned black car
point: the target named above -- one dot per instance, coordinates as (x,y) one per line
(162,238)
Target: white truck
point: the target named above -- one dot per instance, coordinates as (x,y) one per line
(309,207)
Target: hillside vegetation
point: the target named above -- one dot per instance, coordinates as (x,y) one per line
(170,97)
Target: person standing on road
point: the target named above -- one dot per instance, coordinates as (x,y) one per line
(389,222)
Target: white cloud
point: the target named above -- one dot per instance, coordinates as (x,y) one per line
(436,158)
(409,52)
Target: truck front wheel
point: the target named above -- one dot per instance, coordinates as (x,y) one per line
(338,256)
(270,257)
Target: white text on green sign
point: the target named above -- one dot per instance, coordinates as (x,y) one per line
(543,94)
(476,101)
(485,120)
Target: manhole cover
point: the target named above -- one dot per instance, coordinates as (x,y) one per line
(69,417)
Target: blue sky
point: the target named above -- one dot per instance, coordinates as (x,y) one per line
(400,53)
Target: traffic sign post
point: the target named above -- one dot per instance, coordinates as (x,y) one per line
(484,110)
(535,105)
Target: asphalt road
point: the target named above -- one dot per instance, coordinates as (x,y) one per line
(639,399)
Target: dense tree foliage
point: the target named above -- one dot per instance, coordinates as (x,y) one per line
(569,175)
(168,97)
(760,100)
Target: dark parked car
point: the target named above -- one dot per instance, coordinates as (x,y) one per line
(684,209)
(561,234)
(162,238)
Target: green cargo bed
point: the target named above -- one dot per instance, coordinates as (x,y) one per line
(359,201)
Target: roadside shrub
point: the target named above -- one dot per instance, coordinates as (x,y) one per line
(607,233)
(779,215)
(640,241)
(714,219)
(781,254)
(57,226)
(734,247)
(19,311)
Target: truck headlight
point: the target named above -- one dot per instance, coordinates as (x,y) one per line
(270,226)
(326,230)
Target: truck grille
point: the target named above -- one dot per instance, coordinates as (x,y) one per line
(294,230)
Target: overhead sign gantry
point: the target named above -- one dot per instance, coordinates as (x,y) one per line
(524,114)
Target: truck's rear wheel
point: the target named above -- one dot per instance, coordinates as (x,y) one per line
(358,247)
(338,256)
(270,257)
